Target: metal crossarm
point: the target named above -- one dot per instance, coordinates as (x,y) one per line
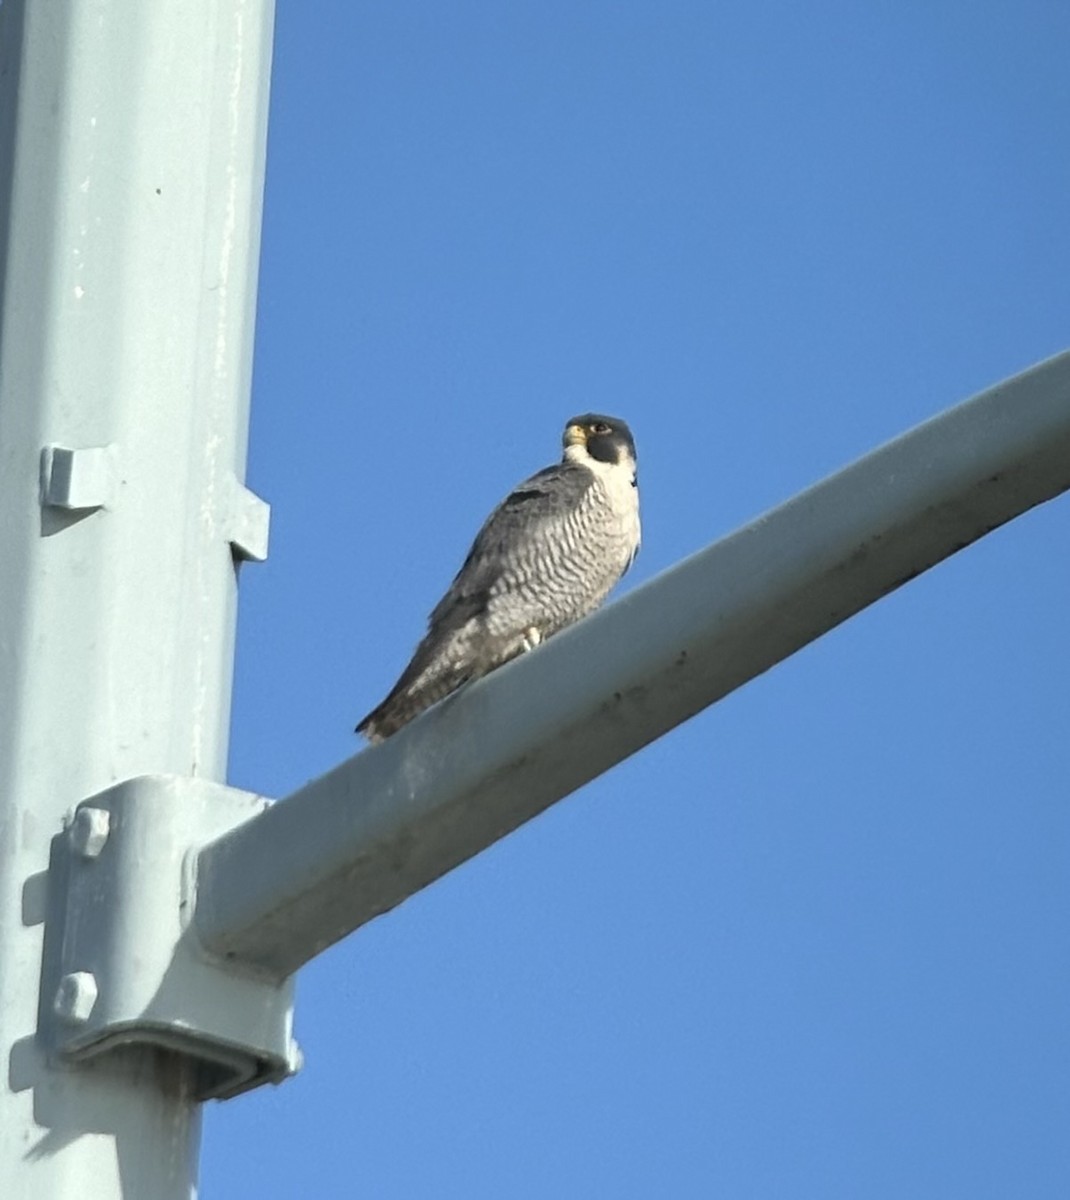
(388,821)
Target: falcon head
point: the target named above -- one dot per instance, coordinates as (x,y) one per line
(605,439)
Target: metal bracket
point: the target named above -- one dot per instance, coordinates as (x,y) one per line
(121,965)
(248,524)
(78,479)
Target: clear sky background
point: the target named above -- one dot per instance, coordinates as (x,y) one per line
(814,943)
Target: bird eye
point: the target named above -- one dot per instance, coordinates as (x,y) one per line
(600,427)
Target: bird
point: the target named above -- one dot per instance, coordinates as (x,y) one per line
(548,555)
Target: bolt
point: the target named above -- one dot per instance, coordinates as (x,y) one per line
(89,831)
(75,997)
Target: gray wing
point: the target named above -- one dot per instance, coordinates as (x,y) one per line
(512,545)
(508,582)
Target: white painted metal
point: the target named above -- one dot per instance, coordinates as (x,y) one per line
(131,174)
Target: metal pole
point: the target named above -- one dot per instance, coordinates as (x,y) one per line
(131,172)
(275,891)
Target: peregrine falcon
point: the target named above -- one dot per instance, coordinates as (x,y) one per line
(547,555)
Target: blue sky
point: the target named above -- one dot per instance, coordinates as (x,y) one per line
(814,943)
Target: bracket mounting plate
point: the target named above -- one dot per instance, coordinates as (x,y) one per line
(122,965)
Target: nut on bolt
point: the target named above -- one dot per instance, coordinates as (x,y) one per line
(89,831)
(75,997)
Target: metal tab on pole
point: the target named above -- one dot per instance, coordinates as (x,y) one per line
(78,479)
(249,522)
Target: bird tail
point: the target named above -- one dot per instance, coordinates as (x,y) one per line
(424,683)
